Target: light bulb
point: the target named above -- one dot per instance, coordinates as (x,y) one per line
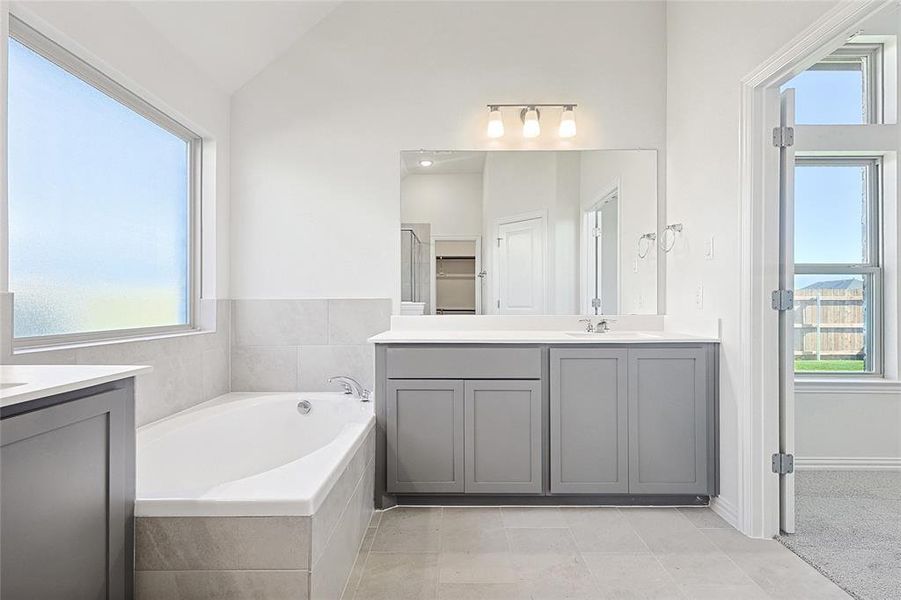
(425,162)
(495,123)
(568,123)
(530,126)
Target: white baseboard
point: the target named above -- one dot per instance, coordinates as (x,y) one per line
(726,510)
(842,463)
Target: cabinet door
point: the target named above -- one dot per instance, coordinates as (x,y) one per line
(68,496)
(668,421)
(589,421)
(425,436)
(503,437)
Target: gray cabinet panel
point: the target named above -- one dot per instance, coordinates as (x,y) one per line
(503,437)
(68,495)
(668,421)
(467,362)
(425,436)
(589,421)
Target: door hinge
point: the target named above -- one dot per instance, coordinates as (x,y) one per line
(498,303)
(499,242)
(783,137)
(783,464)
(783,299)
(595,303)
(596,232)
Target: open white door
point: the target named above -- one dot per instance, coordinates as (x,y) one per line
(519,270)
(784,463)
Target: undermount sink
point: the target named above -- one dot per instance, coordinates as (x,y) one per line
(617,335)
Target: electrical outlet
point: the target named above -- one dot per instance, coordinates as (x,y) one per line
(699,297)
(708,249)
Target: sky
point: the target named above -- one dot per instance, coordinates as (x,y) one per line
(98,205)
(829,211)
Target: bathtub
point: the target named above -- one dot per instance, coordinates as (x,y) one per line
(248,454)
(247,496)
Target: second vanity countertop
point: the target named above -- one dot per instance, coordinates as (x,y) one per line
(535,337)
(22,383)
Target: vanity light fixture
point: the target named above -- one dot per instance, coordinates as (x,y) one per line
(568,122)
(530,115)
(495,122)
(530,125)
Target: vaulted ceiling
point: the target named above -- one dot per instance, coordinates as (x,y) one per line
(231,41)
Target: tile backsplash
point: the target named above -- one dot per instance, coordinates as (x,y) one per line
(296,345)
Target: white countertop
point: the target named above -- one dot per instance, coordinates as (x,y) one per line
(21,383)
(534,337)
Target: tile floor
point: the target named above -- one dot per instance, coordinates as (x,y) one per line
(573,553)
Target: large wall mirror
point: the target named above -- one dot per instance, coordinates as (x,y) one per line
(529,233)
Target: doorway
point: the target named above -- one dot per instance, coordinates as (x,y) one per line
(520,260)
(457,275)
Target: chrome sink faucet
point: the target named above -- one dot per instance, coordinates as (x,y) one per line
(603,325)
(351,387)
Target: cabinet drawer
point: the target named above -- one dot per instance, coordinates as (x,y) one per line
(463,363)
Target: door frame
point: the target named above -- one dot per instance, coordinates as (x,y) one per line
(614,189)
(433,275)
(542,215)
(758,510)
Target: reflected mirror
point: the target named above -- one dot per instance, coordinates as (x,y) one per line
(529,233)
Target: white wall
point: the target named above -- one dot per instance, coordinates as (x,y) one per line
(317,135)
(450,202)
(711,46)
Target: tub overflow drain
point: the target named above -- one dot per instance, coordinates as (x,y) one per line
(304,407)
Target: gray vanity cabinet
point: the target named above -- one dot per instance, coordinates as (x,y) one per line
(502,437)
(67,479)
(670,440)
(589,421)
(424,436)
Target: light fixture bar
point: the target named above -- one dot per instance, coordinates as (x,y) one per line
(558,104)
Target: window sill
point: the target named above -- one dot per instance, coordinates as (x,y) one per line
(31,350)
(848,385)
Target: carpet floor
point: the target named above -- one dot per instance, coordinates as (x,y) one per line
(848,527)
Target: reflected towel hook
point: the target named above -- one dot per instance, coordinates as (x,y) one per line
(675,228)
(650,237)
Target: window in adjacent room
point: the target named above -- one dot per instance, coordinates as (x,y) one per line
(102,195)
(845,88)
(838,268)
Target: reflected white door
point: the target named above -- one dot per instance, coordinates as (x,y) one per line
(787,317)
(520,267)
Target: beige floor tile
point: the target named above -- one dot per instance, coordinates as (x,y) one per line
(541,540)
(703,569)
(704,518)
(399,576)
(473,540)
(641,590)
(602,530)
(725,592)
(482,591)
(625,567)
(406,539)
(475,567)
(411,518)
(532,516)
(554,576)
(669,541)
(472,518)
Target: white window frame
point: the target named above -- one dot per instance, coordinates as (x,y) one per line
(873,267)
(83,70)
(870,56)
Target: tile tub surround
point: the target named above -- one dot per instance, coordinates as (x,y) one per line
(303,557)
(550,553)
(187,369)
(296,345)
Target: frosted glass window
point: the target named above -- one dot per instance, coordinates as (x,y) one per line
(99,208)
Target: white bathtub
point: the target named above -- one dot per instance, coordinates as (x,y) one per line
(248,454)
